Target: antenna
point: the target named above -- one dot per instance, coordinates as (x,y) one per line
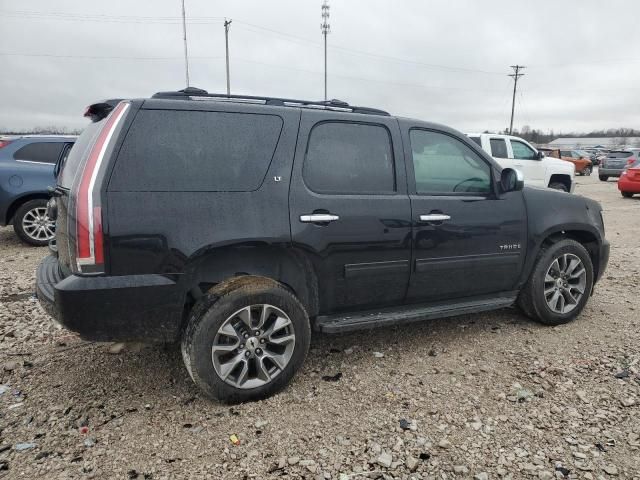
(325,28)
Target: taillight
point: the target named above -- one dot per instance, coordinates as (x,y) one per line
(89,234)
(631,161)
(4,143)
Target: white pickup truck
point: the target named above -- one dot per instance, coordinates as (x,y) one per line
(538,170)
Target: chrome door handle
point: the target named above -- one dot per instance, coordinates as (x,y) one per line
(319,218)
(434,217)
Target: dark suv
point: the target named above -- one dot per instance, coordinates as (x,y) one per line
(236,225)
(27,167)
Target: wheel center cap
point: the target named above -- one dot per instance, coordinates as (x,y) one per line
(252,344)
(559,283)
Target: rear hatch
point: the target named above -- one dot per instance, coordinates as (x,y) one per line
(617,159)
(78,204)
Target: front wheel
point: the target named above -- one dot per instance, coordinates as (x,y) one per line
(32,224)
(560,284)
(558,186)
(245,340)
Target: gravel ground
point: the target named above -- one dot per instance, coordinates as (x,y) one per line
(482,396)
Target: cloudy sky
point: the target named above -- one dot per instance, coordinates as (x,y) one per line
(440,60)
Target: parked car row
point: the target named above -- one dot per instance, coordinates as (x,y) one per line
(27,171)
(582,163)
(238,225)
(616,162)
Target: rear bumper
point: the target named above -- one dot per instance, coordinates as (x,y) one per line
(625,185)
(610,172)
(144,308)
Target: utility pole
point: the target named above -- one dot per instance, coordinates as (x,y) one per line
(227,24)
(325,28)
(516,75)
(186,53)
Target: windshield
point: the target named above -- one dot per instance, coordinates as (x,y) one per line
(619,154)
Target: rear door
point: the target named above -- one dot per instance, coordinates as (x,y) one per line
(467,241)
(349,209)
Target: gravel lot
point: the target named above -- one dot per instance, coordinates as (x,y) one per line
(481,396)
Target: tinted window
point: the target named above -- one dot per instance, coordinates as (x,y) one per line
(43,152)
(70,165)
(499,148)
(169,150)
(477,140)
(349,158)
(522,151)
(443,164)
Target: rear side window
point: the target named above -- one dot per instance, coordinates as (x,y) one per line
(41,152)
(477,141)
(499,148)
(188,151)
(349,158)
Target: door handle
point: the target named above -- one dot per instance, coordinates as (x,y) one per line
(319,218)
(434,217)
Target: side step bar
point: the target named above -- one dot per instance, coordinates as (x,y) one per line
(346,322)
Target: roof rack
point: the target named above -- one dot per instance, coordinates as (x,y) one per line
(193,93)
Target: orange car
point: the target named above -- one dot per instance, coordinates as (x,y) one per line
(584,166)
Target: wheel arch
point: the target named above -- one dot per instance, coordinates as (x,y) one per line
(220,269)
(587,237)
(561,178)
(18,202)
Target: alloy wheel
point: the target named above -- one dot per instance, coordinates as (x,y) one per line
(565,283)
(37,225)
(253,346)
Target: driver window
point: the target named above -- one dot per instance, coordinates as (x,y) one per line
(522,151)
(443,164)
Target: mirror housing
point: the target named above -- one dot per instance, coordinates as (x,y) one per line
(540,155)
(511,180)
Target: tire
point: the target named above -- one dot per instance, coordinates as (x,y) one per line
(627,194)
(604,178)
(32,224)
(534,300)
(558,186)
(225,307)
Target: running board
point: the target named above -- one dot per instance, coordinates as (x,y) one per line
(346,322)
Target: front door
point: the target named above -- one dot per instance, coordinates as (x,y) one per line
(467,240)
(349,209)
(526,160)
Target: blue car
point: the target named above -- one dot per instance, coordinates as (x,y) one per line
(27,165)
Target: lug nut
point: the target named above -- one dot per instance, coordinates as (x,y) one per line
(262,340)
(247,354)
(259,351)
(241,346)
(256,333)
(246,335)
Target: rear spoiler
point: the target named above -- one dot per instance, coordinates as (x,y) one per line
(99,111)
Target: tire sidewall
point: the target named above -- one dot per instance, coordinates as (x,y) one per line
(543,310)
(207,320)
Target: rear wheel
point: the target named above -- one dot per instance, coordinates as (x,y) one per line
(558,186)
(627,194)
(32,224)
(560,283)
(604,178)
(245,340)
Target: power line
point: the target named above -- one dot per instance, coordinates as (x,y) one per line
(516,75)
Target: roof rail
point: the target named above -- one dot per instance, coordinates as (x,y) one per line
(193,93)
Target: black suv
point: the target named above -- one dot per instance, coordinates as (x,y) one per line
(236,225)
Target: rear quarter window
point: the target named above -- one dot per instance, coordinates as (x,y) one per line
(171,150)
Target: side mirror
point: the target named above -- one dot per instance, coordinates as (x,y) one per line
(511,180)
(540,155)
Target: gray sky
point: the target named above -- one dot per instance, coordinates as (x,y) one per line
(443,61)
